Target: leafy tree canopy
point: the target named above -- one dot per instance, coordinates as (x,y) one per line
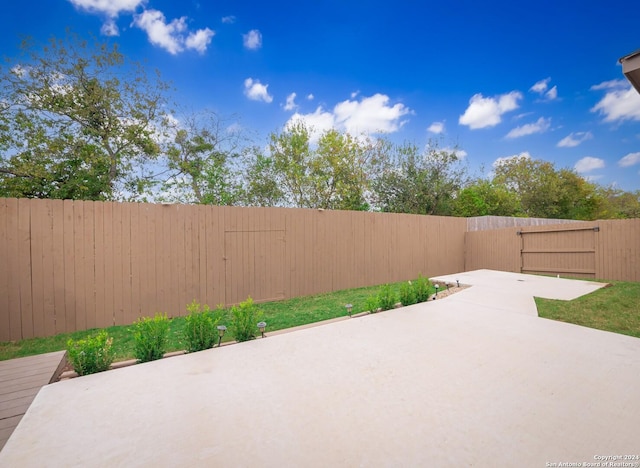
(78,121)
(332,173)
(201,161)
(545,192)
(421,182)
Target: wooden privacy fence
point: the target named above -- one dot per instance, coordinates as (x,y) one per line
(73,265)
(596,249)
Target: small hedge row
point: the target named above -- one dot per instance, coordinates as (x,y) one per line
(411,292)
(151,335)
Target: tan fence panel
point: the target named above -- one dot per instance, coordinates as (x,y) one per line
(493,250)
(9,301)
(67,315)
(24,267)
(618,256)
(105,318)
(10,316)
(254,255)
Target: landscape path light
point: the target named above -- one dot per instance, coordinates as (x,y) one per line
(349,308)
(458,283)
(437,286)
(221,330)
(261,327)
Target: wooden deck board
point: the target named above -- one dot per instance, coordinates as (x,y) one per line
(20,381)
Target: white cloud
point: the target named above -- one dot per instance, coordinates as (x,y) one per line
(291,102)
(109,9)
(252,40)
(256,91)
(170,36)
(541,86)
(552,94)
(317,122)
(229,19)
(199,40)
(310,97)
(160,33)
(588,164)
(436,127)
(629,160)
(611,84)
(539,126)
(621,102)
(487,111)
(574,139)
(109,28)
(505,159)
(354,94)
(521,116)
(372,114)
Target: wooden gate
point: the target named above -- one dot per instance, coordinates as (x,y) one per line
(567,251)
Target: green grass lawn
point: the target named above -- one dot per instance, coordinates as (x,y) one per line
(615,308)
(278,315)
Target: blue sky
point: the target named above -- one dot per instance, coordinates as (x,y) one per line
(497,79)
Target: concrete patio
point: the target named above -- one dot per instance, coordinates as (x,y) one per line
(476,379)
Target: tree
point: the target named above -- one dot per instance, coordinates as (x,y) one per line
(261,186)
(340,171)
(484,198)
(618,203)
(79,122)
(410,181)
(331,174)
(545,192)
(291,157)
(200,161)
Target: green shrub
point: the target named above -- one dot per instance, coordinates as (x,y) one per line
(200,330)
(407,294)
(421,289)
(371,304)
(245,319)
(386,297)
(91,355)
(150,336)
